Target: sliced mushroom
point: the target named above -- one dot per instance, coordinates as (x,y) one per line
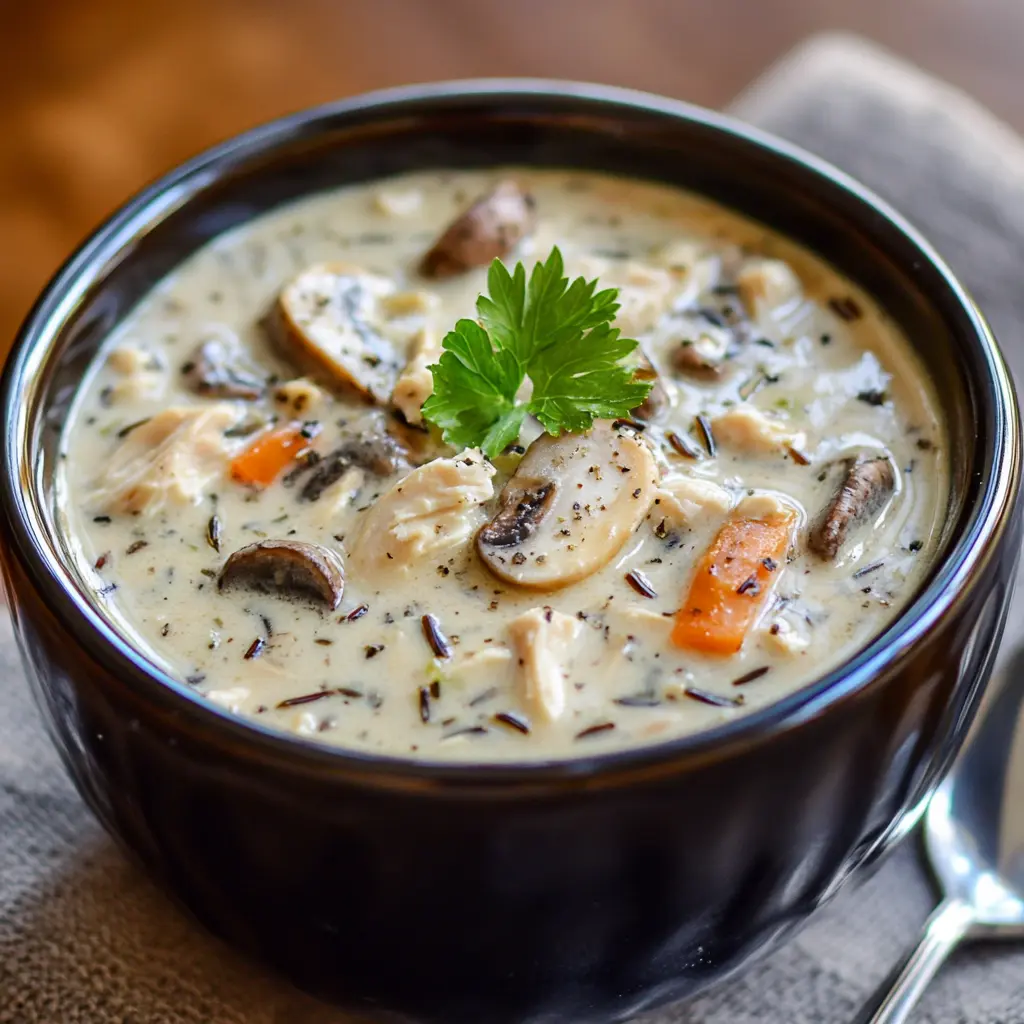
(379,453)
(287,568)
(703,351)
(657,402)
(486,231)
(214,370)
(864,489)
(169,459)
(573,502)
(331,322)
(543,641)
(436,508)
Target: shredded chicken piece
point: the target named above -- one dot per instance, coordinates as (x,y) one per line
(684,500)
(543,640)
(690,257)
(634,620)
(415,384)
(768,288)
(436,508)
(143,376)
(483,663)
(746,429)
(170,459)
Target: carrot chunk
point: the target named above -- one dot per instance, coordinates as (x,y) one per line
(271,452)
(732,582)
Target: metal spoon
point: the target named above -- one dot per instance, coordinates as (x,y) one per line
(974,839)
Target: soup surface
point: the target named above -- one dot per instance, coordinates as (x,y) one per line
(249,484)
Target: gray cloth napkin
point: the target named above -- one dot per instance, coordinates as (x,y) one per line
(86,939)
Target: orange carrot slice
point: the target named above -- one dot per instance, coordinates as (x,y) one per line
(271,452)
(733,581)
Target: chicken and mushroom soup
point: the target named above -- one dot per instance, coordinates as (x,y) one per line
(254,489)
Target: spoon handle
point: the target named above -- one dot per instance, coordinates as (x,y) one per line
(898,994)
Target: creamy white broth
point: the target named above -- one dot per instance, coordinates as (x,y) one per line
(827,380)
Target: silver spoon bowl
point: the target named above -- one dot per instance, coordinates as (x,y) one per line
(974,839)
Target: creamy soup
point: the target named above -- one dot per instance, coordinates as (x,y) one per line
(251,487)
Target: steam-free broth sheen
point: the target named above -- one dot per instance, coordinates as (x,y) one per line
(782,491)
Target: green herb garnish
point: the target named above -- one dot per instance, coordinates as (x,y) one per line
(558,334)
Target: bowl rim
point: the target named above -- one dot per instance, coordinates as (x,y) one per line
(27,536)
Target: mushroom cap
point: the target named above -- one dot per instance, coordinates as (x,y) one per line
(573,502)
(215,369)
(331,321)
(488,230)
(865,487)
(287,568)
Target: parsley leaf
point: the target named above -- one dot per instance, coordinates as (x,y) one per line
(475,390)
(584,379)
(557,333)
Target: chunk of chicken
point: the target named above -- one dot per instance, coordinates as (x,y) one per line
(689,257)
(415,384)
(644,295)
(768,288)
(434,509)
(169,460)
(684,501)
(543,640)
(749,431)
(485,663)
(646,291)
(129,359)
(142,375)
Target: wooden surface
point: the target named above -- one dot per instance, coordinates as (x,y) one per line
(98,96)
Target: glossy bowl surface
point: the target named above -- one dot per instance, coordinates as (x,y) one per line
(559,891)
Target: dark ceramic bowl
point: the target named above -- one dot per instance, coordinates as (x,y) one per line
(580,890)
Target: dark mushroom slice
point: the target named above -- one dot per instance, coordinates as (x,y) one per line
(488,230)
(379,454)
(287,568)
(329,322)
(657,402)
(702,349)
(213,370)
(523,508)
(864,489)
(573,502)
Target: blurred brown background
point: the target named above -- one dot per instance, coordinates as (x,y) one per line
(98,96)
